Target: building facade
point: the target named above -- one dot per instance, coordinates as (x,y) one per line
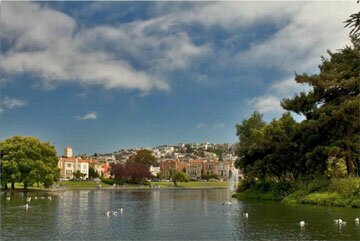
(166,165)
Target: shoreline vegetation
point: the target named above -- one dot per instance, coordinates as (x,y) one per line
(342,192)
(94,185)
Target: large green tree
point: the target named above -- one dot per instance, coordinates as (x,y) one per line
(268,150)
(251,147)
(28,160)
(332,110)
(144,157)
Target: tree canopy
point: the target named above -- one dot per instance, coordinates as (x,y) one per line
(28,160)
(144,157)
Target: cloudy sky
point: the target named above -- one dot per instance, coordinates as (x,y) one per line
(104,76)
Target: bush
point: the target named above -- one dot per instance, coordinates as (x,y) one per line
(245,184)
(209,176)
(346,186)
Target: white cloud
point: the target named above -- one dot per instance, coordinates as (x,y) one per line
(312,29)
(51,46)
(266,104)
(287,87)
(200,125)
(88,116)
(219,125)
(11,103)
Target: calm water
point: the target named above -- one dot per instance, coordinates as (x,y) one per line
(167,215)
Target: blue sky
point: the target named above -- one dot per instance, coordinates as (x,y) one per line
(104,76)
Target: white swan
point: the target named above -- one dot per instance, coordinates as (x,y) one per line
(28,199)
(228,203)
(8,198)
(357,220)
(107,214)
(49,197)
(26,206)
(246,215)
(35,198)
(121,210)
(302,223)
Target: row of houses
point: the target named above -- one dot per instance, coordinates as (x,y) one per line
(195,169)
(69,165)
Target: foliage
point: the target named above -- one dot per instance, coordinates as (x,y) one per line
(336,167)
(267,150)
(79,174)
(28,160)
(130,171)
(93,173)
(209,176)
(332,110)
(178,176)
(354,22)
(144,157)
(346,186)
(320,191)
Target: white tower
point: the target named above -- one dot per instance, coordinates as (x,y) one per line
(68,151)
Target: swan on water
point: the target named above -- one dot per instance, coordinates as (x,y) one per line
(121,210)
(228,203)
(338,221)
(28,199)
(302,223)
(26,206)
(8,198)
(246,215)
(357,220)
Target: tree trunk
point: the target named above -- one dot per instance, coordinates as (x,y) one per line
(5,185)
(12,185)
(26,184)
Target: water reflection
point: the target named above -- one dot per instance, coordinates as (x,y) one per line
(166,215)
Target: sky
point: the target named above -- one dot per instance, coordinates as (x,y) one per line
(102,76)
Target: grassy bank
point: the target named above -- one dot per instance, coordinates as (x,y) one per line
(343,192)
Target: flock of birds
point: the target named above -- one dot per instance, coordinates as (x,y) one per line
(28,200)
(114,213)
(302,224)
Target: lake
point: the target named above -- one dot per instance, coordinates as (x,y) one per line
(166,215)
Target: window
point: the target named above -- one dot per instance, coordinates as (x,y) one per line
(68,165)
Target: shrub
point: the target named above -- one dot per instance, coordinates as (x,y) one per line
(346,186)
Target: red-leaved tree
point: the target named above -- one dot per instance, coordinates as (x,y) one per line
(130,171)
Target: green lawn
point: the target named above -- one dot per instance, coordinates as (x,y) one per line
(193,184)
(82,184)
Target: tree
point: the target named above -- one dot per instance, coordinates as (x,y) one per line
(93,173)
(130,171)
(251,147)
(332,110)
(78,174)
(178,176)
(28,160)
(144,157)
